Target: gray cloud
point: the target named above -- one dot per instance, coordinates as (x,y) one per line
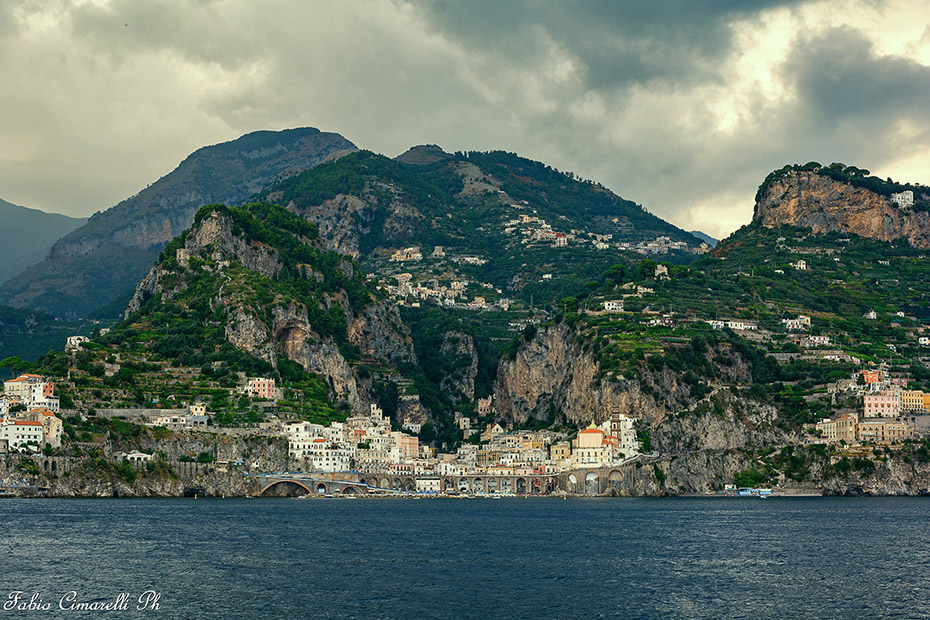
(618,43)
(839,77)
(653,99)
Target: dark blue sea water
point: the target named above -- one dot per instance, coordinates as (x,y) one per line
(450,559)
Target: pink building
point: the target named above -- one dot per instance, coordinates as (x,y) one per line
(884,404)
(409,447)
(259,387)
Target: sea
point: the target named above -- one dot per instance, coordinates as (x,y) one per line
(527,558)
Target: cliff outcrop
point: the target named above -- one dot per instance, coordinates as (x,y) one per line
(811,200)
(251,272)
(890,477)
(554,374)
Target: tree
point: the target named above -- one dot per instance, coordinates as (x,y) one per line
(647,268)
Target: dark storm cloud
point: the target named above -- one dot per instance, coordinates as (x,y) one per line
(839,77)
(618,43)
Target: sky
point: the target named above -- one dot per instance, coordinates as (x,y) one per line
(681,106)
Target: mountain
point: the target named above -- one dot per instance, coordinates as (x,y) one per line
(104,258)
(724,362)
(844,199)
(249,289)
(29,234)
(516,227)
(705,237)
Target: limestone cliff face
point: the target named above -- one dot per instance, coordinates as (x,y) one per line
(380,333)
(720,422)
(553,371)
(282,327)
(824,204)
(380,209)
(892,477)
(294,337)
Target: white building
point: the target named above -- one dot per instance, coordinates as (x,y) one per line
(413,427)
(322,455)
(21,433)
(33,391)
(740,325)
(903,199)
(800,323)
(817,341)
(74,342)
(613,305)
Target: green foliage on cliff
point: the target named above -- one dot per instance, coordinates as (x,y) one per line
(182,330)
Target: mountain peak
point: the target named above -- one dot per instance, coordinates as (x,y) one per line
(423,154)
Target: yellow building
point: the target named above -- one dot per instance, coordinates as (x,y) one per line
(560,451)
(912,400)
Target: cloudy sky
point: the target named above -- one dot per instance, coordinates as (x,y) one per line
(682,105)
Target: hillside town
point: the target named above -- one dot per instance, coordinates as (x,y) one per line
(366,444)
(889,412)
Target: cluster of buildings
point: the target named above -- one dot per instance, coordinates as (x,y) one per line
(30,391)
(542,452)
(405,255)
(453,296)
(662,245)
(28,419)
(363,443)
(368,444)
(889,412)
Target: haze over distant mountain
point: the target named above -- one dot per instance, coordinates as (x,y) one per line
(705,237)
(104,259)
(28,234)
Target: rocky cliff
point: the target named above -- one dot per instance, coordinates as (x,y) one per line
(256,286)
(103,259)
(812,200)
(555,374)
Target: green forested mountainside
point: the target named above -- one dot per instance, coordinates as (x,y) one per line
(476,205)
(675,341)
(757,276)
(175,346)
(28,236)
(98,262)
(28,334)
